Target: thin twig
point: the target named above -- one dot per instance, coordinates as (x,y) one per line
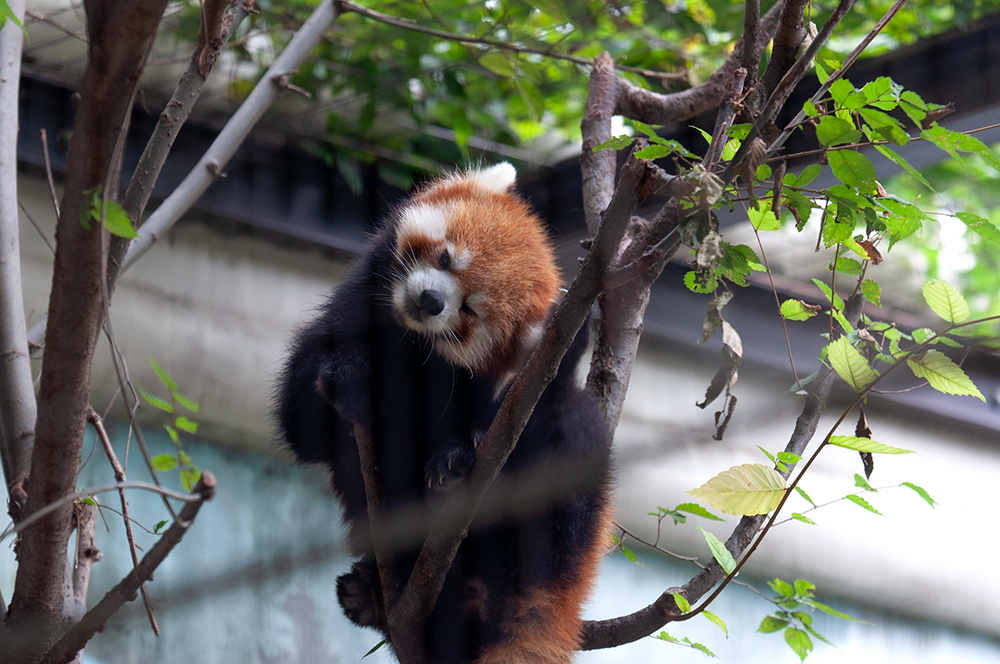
(348,6)
(41,233)
(76,638)
(48,170)
(652,545)
(102,435)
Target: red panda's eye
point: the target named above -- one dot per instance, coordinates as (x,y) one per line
(445,260)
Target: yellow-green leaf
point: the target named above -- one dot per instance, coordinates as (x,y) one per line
(849,364)
(721,554)
(763,220)
(745,490)
(866,445)
(497,63)
(798,310)
(945,300)
(943,374)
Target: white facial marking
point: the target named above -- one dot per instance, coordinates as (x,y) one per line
(431,221)
(460,259)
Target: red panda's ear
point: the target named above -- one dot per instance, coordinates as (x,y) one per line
(497,178)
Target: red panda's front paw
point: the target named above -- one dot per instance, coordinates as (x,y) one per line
(360,595)
(449,467)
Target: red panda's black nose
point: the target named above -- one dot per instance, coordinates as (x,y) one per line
(431,302)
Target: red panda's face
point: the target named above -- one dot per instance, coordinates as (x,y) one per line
(475,271)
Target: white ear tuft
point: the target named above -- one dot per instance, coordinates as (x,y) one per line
(497,178)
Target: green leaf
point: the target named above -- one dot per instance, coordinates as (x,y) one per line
(799,642)
(804,519)
(763,220)
(862,483)
(945,300)
(849,364)
(186,425)
(375,648)
(7,13)
(682,602)
(895,158)
(184,401)
(189,477)
(697,510)
(805,496)
(172,432)
(984,227)
(772,624)
(87,500)
(872,292)
(782,587)
(630,555)
(498,63)
(158,526)
(165,378)
(717,620)
(834,131)
(616,143)
(858,500)
(745,490)
(833,612)
(116,221)
(699,647)
(163,462)
(921,492)
(853,169)
(797,310)
(943,374)
(156,402)
(887,127)
(532,97)
(804,588)
(866,445)
(719,551)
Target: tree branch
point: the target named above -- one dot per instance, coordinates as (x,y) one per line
(348,6)
(120,36)
(17,394)
(226,143)
(94,620)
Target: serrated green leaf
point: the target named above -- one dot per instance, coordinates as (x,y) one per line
(798,516)
(799,642)
(849,364)
(172,432)
(189,477)
(717,620)
(772,624)
(653,152)
(719,551)
(804,588)
(853,169)
(699,647)
(983,227)
(165,378)
(862,483)
(663,636)
(682,603)
(7,13)
(163,462)
(866,445)
(697,510)
(184,401)
(156,402)
(763,219)
(835,131)
(945,300)
(789,457)
(943,374)
(858,500)
(805,496)
(616,143)
(921,492)
(498,63)
(833,612)
(895,158)
(872,292)
(629,555)
(782,587)
(797,310)
(186,425)
(745,490)
(830,295)
(770,456)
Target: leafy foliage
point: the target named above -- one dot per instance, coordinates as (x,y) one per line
(189,472)
(749,489)
(790,617)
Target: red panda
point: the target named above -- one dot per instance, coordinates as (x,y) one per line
(418,344)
